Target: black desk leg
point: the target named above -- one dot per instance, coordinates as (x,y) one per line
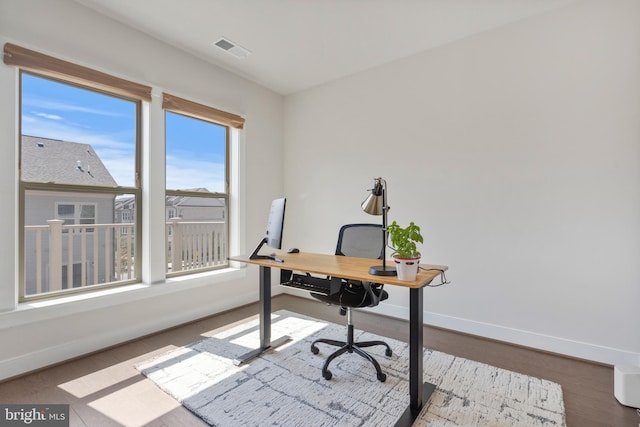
(419,391)
(416,344)
(265,307)
(265,321)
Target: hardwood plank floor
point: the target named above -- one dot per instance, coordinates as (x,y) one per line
(104,389)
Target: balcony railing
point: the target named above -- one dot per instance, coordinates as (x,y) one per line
(61,257)
(195,245)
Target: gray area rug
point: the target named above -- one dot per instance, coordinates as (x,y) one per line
(285,387)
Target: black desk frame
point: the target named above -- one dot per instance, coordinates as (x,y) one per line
(265,321)
(419,391)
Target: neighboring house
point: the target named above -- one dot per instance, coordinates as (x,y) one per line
(186,208)
(125,211)
(195,208)
(47,160)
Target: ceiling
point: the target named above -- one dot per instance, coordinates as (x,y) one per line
(299,44)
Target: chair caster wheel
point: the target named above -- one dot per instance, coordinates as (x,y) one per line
(388,352)
(382,377)
(314,349)
(327,375)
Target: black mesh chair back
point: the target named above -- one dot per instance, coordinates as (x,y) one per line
(361,240)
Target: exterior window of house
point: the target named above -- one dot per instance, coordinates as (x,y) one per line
(197,185)
(76,213)
(78,165)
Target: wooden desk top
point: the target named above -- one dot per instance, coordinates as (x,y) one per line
(342,266)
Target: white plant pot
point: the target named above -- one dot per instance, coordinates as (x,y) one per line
(407,268)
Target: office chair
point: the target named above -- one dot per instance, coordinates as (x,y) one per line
(363,241)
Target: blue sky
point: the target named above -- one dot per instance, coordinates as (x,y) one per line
(195,149)
(195,154)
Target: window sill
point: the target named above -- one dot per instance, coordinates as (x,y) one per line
(43,310)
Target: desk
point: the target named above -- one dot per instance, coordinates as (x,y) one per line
(356,269)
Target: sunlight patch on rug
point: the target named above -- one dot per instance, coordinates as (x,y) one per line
(285,386)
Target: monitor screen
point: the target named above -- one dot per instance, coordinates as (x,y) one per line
(276,223)
(273,235)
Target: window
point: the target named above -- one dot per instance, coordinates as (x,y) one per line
(78,151)
(196,192)
(78,162)
(197,176)
(79,179)
(76,213)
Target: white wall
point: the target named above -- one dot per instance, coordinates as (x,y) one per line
(517,151)
(35,335)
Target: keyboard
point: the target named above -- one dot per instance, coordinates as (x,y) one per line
(318,285)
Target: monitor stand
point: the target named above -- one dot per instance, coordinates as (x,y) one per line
(255,255)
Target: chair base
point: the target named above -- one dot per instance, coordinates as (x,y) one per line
(351,347)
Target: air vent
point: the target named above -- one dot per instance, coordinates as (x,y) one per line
(232,48)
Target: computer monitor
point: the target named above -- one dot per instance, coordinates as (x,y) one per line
(273,235)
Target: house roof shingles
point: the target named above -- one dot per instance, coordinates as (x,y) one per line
(53,160)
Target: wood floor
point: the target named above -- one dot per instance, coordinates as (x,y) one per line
(104,389)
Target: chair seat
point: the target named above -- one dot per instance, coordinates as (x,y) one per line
(352,295)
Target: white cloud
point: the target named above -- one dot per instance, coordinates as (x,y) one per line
(48,104)
(183,174)
(48,116)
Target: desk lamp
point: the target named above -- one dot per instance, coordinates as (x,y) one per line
(376,204)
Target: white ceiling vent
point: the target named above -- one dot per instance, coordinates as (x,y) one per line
(233,48)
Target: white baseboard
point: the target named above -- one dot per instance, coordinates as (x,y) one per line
(82,345)
(581,350)
(571,348)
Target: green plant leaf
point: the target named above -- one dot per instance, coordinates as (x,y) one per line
(403,240)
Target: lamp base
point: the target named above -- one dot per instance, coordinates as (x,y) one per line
(381,270)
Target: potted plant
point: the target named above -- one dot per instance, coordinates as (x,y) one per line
(405,252)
